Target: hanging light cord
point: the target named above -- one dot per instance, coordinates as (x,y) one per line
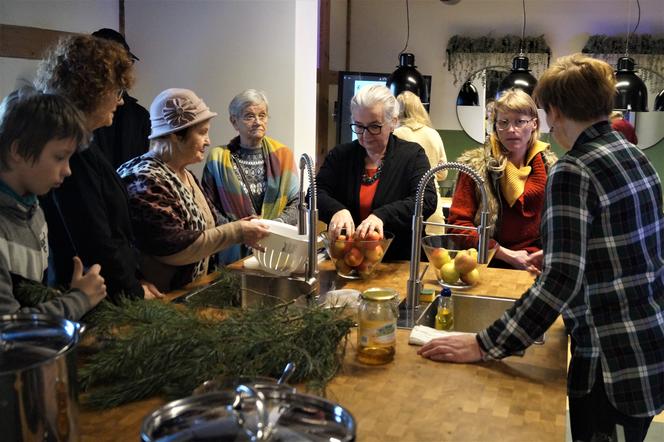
(638,21)
(407,28)
(523,31)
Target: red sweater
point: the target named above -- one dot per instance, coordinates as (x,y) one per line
(518,226)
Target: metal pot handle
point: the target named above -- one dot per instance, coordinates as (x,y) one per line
(263,429)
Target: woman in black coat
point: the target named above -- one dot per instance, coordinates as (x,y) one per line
(370,184)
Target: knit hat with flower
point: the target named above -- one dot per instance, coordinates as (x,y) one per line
(175,109)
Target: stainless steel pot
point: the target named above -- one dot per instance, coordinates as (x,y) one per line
(248,414)
(38,386)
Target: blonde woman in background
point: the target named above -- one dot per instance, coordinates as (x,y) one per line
(415,126)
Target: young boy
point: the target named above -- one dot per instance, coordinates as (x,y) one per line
(38,134)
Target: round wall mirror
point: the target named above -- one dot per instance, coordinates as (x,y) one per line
(477,93)
(649,125)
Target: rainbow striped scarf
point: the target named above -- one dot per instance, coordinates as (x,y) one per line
(280,172)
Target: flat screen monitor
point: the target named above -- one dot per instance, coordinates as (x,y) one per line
(349,84)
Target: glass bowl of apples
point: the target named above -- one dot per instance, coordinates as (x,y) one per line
(356,258)
(453,258)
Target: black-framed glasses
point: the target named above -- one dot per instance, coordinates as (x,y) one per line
(374,129)
(517,124)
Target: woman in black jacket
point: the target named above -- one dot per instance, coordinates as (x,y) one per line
(370,184)
(88,215)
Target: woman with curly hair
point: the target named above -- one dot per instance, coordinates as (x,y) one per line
(514,165)
(88,215)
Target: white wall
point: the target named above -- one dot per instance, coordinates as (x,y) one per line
(63,15)
(378,33)
(215,47)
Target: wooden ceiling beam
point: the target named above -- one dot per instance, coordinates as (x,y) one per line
(27,42)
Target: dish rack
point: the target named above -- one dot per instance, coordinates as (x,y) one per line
(285,250)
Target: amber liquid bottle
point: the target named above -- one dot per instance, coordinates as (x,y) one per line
(376,334)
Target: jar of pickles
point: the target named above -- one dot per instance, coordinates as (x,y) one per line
(376,335)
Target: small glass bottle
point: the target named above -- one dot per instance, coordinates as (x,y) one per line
(445,313)
(376,335)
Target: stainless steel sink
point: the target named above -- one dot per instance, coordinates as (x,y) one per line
(471,313)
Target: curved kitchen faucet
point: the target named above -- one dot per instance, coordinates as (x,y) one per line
(415,278)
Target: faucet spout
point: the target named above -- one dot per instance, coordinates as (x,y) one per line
(415,279)
(309,208)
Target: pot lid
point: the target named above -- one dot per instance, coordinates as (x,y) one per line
(235,416)
(27,340)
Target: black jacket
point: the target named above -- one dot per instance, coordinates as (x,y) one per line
(404,164)
(127,137)
(93,202)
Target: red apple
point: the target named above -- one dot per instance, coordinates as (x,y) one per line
(365,269)
(464,262)
(354,257)
(375,254)
(372,240)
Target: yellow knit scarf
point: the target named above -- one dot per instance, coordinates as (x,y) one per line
(513,182)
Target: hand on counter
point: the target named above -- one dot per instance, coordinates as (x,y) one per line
(460,348)
(150,291)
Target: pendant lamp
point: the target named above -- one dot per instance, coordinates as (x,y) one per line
(631,91)
(659,101)
(468,95)
(520,77)
(406,77)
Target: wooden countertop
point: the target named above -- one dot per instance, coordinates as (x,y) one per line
(415,399)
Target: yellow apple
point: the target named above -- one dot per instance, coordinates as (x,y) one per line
(472,277)
(374,255)
(342,267)
(439,257)
(448,273)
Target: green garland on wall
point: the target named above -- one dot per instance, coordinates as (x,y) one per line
(467,55)
(610,44)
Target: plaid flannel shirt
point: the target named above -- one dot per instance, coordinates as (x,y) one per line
(603,236)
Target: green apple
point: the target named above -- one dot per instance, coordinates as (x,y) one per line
(448,273)
(472,277)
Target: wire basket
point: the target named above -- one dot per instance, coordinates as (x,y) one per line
(285,250)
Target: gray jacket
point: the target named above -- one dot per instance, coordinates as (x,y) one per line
(24,254)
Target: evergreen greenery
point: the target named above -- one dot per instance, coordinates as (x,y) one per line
(153,348)
(638,44)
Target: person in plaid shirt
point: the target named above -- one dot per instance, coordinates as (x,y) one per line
(602,265)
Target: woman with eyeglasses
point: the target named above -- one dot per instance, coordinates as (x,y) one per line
(514,165)
(370,184)
(88,215)
(254,175)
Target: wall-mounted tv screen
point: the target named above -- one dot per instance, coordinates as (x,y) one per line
(349,84)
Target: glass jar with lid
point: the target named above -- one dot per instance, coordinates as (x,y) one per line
(376,335)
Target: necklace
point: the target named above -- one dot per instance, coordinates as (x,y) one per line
(369,180)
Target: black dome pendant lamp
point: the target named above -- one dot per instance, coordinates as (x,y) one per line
(631,91)
(406,77)
(520,77)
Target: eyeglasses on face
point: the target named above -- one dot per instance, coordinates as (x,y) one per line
(248,118)
(517,124)
(374,129)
